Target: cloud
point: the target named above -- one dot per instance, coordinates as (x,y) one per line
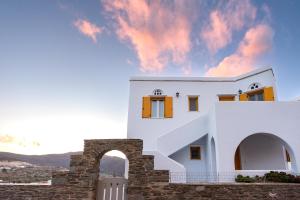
(88,29)
(12,140)
(158,32)
(256,42)
(6,139)
(231,16)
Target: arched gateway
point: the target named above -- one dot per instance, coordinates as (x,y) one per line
(84,169)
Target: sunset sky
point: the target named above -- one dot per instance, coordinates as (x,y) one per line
(65,65)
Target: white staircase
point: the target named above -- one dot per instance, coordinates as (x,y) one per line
(182,136)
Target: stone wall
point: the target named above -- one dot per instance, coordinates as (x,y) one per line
(42,192)
(144,183)
(241,191)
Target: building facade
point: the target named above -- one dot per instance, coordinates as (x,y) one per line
(203,129)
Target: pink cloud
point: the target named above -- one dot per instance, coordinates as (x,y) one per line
(88,29)
(6,139)
(256,42)
(9,139)
(230,17)
(159,33)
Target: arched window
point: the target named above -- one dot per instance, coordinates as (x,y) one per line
(257,93)
(254,86)
(157,92)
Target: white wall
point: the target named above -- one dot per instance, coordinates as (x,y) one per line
(262,152)
(207,89)
(183,157)
(237,120)
(178,138)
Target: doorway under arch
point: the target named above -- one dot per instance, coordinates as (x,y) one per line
(113,163)
(262,151)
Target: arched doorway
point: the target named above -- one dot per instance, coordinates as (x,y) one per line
(113,175)
(264,151)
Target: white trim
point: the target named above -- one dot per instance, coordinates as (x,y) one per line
(201,79)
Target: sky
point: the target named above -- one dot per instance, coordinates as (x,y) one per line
(65,65)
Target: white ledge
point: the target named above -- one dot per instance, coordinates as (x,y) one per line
(201,79)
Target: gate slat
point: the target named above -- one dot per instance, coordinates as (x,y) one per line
(120,191)
(125,191)
(112,189)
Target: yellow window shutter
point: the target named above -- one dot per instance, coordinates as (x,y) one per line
(146,113)
(168,107)
(243,97)
(269,94)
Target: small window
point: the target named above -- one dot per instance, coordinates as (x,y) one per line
(195,152)
(157,92)
(254,86)
(258,96)
(157,108)
(193,103)
(226,98)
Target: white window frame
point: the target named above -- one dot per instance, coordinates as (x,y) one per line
(158,109)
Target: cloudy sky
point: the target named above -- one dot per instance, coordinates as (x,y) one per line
(65,65)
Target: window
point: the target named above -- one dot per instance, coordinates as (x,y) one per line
(193,103)
(195,152)
(262,94)
(157,92)
(226,98)
(254,86)
(157,108)
(257,96)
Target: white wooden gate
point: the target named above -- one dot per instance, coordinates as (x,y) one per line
(112,189)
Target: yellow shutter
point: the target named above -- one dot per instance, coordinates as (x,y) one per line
(226,98)
(243,97)
(268,94)
(146,113)
(168,107)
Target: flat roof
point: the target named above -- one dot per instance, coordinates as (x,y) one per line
(201,79)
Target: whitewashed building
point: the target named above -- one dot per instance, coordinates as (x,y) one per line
(210,129)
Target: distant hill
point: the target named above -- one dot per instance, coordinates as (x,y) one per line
(109,164)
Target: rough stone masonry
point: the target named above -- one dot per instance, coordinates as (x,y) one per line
(144,183)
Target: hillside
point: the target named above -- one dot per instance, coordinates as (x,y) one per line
(109,164)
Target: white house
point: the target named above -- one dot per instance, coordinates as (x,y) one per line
(203,128)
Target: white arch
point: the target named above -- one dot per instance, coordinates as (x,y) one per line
(113,170)
(283,142)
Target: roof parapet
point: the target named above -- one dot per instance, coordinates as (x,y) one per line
(202,79)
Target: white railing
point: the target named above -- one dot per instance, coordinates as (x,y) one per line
(112,189)
(216,177)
